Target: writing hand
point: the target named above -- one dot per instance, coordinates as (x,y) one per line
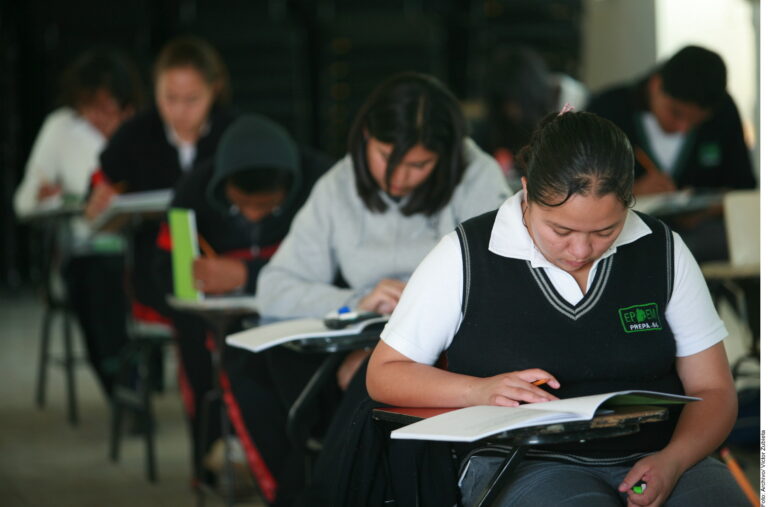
(509,389)
(660,473)
(47,190)
(99,200)
(384,297)
(219,275)
(653,182)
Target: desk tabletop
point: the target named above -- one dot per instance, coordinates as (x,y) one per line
(619,421)
(137,205)
(673,203)
(729,271)
(240,305)
(59,211)
(330,344)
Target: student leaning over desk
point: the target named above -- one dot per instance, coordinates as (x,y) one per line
(568,267)
(411,175)
(244,201)
(100,90)
(687,134)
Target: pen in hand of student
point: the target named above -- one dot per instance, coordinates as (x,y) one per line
(100,198)
(206,247)
(512,388)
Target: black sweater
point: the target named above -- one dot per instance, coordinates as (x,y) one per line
(717,156)
(140,158)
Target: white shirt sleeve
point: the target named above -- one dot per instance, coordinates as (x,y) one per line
(428,314)
(690,313)
(65,153)
(40,165)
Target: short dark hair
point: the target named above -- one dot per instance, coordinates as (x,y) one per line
(261,180)
(197,53)
(578,153)
(407,110)
(695,74)
(519,77)
(102,68)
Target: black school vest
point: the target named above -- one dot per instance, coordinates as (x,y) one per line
(615,338)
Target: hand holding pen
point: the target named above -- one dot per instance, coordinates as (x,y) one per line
(100,198)
(512,389)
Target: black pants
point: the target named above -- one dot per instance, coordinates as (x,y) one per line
(196,380)
(360,465)
(97,296)
(265,385)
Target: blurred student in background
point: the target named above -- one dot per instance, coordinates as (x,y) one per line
(410,176)
(687,133)
(684,120)
(99,91)
(153,149)
(244,200)
(519,91)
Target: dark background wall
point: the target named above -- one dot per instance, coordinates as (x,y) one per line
(307,64)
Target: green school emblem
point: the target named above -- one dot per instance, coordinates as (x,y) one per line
(640,318)
(709,154)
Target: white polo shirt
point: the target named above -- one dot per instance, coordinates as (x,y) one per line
(429,312)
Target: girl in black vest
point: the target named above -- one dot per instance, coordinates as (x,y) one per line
(535,291)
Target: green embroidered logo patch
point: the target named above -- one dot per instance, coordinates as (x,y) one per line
(640,318)
(709,154)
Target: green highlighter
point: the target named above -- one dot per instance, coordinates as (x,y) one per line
(639,487)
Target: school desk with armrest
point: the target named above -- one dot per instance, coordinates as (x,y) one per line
(55,224)
(514,444)
(148,331)
(220,314)
(337,348)
(739,277)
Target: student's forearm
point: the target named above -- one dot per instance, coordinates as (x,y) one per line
(281,293)
(394,383)
(703,426)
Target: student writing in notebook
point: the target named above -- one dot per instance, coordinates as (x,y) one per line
(411,175)
(99,91)
(687,133)
(244,200)
(566,283)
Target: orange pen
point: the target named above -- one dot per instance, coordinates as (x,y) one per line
(540,381)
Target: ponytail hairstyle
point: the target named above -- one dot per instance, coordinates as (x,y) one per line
(578,153)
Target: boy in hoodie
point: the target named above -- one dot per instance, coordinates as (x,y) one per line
(244,201)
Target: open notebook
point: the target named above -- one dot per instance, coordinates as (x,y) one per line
(183,227)
(267,336)
(473,423)
(149,203)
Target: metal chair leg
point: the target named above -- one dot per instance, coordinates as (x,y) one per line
(501,477)
(69,369)
(42,366)
(115,433)
(145,393)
